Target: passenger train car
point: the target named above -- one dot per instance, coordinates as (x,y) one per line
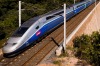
(36,27)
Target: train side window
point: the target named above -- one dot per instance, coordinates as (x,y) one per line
(49,17)
(59,13)
(88,1)
(80,5)
(37,27)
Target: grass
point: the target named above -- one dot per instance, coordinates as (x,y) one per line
(57,62)
(63,55)
(70,48)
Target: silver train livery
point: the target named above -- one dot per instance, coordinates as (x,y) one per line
(36,27)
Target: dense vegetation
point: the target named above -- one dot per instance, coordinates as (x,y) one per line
(88,48)
(30,8)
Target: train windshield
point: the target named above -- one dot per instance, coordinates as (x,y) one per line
(20,31)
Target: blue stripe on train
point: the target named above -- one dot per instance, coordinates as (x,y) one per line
(46,28)
(51,25)
(77,10)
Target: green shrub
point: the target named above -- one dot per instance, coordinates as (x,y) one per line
(88,48)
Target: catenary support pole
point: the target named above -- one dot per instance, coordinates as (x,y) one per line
(64,44)
(19,13)
(74,1)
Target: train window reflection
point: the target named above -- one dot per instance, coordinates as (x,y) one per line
(20,31)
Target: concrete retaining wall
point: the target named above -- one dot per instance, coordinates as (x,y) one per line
(88,25)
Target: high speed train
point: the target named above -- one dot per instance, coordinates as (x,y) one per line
(36,27)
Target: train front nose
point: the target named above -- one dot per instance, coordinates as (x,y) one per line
(10,46)
(8,50)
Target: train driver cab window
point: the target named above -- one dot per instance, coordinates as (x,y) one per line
(37,27)
(20,31)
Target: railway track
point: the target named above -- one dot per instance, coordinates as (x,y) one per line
(35,54)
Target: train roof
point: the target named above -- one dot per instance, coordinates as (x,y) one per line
(31,21)
(79,3)
(52,12)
